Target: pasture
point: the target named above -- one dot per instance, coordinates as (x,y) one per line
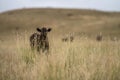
(82,59)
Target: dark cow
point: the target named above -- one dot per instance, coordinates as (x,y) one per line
(71,38)
(68,37)
(99,37)
(39,41)
(64,39)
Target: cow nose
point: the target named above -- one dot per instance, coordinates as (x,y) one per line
(44,37)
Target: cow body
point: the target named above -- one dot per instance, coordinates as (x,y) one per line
(39,41)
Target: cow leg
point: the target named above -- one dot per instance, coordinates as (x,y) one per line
(38,48)
(46,47)
(32,46)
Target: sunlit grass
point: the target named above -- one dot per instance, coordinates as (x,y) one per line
(80,60)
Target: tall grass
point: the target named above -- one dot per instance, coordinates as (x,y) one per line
(80,60)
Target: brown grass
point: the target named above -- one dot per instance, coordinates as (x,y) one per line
(83,59)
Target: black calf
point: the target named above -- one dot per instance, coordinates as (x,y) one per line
(39,41)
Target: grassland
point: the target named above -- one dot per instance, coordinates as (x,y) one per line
(83,59)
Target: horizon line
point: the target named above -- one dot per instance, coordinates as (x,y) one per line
(59,8)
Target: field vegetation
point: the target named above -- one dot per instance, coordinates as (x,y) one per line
(83,59)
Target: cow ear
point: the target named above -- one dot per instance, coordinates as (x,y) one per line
(49,29)
(39,30)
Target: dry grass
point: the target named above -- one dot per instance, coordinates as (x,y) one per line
(80,60)
(83,59)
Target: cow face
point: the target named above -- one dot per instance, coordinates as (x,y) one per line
(43,32)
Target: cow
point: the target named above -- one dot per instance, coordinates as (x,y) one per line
(99,37)
(39,41)
(68,37)
(65,39)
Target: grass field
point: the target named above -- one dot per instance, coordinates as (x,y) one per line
(83,59)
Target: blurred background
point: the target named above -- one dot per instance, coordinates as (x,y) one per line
(84,41)
(104,5)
